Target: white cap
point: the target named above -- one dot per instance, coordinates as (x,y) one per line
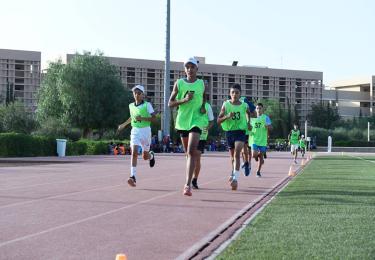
(140,87)
(191,60)
(302,136)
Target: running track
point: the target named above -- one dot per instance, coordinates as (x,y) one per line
(84,209)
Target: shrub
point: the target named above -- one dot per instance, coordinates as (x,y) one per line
(22,145)
(321,135)
(17,145)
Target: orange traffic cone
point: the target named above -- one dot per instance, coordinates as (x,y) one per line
(121,257)
(292,172)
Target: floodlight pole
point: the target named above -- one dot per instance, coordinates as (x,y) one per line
(166,114)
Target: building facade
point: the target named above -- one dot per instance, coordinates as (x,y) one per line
(353,98)
(20,76)
(297,88)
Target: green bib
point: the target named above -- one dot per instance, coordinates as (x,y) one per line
(259,130)
(188,114)
(238,121)
(251,138)
(139,111)
(205,121)
(242,99)
(302,143)
(294,136)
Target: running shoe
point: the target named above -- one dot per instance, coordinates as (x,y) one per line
(247,168)
(187,191)
(132,181)
(194,183)
(234,184)
(152,160)
(258,174)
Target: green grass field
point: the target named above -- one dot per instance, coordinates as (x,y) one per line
(327,212)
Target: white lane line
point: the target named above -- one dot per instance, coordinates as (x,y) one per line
(95,216)
(75,193)
(82,220)
(53,183)
(360,158)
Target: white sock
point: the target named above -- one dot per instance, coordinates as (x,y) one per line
(236,174)
(133,171)
(151,155)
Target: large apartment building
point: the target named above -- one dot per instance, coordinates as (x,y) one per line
(354,97)
(297,88)
(20,75)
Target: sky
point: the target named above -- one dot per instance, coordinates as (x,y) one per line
(335,37)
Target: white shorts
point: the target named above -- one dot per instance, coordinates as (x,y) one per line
(294,147)
(141,137)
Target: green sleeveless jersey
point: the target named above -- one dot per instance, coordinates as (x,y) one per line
(188,114)
(251,138)
(294,136)
(302,143)
(205,121)
(238,121)
(242,99)
(139,111)
(259,130)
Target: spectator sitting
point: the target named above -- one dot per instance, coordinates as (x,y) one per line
(121,149)
(111,148)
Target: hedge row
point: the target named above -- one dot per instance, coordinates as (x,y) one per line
(22,145)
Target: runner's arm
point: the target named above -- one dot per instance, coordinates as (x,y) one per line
(172,99)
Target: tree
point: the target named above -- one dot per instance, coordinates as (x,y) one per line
(16,118)
(324,116)
(279,116)
(86,93)
(49,94)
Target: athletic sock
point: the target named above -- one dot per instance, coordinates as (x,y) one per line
(133,171)
(236,174)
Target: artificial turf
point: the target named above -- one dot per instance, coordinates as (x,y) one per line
(327,212)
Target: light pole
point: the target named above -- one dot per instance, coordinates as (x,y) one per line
(166,115)
(368,131)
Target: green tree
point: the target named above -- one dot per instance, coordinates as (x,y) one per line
(324,116)
(86,93)
(49,94)
(279,116)
(16,118)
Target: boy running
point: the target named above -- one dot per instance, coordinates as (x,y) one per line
(260,128)
(293,138)
(246,151)
(187,95)
(141,116)
(232,119)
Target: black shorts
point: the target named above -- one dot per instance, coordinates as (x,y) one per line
(185,133)
(235,136)
(247,140)
(201,145)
